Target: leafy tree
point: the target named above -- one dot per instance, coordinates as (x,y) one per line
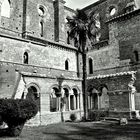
(82,29)
(15,113)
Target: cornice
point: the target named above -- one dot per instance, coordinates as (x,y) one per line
(42,42)
(28,74)
(47,42)
(124,16)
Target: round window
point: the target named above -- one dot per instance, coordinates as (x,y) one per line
(113,11)
(41,10)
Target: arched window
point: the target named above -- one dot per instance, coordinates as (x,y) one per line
(90,66)
(5,8)
(76,98)
(136,55)
(68,38)
(25,58)
(41,10)
(112,11)
(41,28)
(66,65)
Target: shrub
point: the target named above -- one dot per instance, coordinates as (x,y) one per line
(73,117)
(97,115)
(16,112)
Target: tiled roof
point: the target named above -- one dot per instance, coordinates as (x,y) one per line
(112,75)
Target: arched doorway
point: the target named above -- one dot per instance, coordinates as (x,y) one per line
(34,94)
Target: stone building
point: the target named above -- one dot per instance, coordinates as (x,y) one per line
(113,60)
(37,59)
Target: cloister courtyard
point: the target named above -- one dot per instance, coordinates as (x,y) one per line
(80,131)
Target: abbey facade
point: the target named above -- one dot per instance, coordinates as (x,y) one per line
(37,59)
(113,59)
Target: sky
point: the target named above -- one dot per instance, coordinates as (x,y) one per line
(79,3)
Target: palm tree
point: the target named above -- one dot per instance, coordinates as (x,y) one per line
(82,28)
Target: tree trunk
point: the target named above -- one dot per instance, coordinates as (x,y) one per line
(78,71)
(84,85)
(15,130)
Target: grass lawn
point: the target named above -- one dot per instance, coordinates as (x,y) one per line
(80,131)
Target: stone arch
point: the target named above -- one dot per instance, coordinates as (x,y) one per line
(53,86)
(104,98)
(75,98)
(34,85)
(93,96)
(66,86)
(101,87)
(77,88)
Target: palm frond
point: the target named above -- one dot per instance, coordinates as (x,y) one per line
(82,27)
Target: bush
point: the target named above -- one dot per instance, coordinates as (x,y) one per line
(97,115)
(16,112)
(73,117)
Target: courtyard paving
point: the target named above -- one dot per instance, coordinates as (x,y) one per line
(80,131)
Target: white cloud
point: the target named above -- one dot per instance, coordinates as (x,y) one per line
(78,3)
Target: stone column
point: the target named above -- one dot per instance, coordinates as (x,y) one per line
(78,101)
(132,92)
(99,99)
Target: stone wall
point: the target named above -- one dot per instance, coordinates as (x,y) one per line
(117,89)
(51,56)
(49,60)
(33,19)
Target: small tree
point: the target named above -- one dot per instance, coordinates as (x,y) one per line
(15,113)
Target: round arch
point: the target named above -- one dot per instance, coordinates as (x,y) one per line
(34,93)
(77,88)
(35,85)
(53,86)
(67,87)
